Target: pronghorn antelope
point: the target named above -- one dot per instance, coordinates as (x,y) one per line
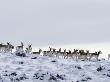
(62,54)
(47,53)
(68,54)
(21,46)
(29,49)
(58,52)
(75,54)
(96,55)
(1,47)
(4,48)
(108,56)
(54,52)
(37,52)
(10,48)
(83,54)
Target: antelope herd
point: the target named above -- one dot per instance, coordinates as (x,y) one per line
(52,52)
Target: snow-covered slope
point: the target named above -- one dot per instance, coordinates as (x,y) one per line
(50,69)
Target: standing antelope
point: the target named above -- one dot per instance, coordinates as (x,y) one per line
(75,54)
(4,48)
(96,55)
(47,53)
(37,52)
(83,54)
(108,56)
(62,54)
(68,54)
(10,48)
(29,49)
(54,52)
(20,47)
(1,47)
(58,52)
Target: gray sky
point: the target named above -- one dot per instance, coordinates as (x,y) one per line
(46,22)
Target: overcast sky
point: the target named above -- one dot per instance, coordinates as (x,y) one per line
(58,22)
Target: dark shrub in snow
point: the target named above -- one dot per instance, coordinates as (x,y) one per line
(13,74)
(21,54)
(100,68)
(78,67)
(18,78)
(21,62)
(34,58)
(108,75)
(53,61)
(48,76)
(86,79)
(60,77)
(53,78)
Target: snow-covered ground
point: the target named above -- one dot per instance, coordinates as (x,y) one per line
(34,68)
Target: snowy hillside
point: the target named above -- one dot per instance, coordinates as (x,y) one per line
(49,69)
